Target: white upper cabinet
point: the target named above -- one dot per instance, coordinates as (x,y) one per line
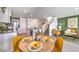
(6,16)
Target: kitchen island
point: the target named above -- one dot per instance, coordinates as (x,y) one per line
(6,41)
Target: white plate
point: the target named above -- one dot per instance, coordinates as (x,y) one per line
(29,47)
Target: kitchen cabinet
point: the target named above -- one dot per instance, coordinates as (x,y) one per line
(6,16)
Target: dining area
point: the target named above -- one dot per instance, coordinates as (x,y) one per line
(37,43)
(30,33)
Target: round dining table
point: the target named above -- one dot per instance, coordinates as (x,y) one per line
(46,46)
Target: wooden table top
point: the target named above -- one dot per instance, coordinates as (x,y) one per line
(46,46)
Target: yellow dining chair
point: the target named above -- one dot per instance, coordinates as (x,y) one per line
(16,40)
(56,32)
(58,45)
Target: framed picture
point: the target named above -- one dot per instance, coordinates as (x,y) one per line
(73,22)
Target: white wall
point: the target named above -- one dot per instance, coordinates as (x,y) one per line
(6,16)
(52,26)
(33,22)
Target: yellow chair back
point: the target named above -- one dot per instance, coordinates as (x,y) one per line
(56,32)
(58,44)
(16,40)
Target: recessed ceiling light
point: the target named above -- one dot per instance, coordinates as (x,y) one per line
(25,10)
(76,9)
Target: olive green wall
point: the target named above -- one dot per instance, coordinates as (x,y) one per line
(63,21)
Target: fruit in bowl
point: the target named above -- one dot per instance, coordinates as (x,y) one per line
(35,45)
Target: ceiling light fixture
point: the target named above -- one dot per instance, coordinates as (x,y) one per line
(25,10)
(76,9)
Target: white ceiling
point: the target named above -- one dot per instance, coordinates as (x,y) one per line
(44,11)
